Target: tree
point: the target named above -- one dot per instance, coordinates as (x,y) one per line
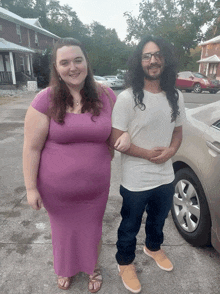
(106,51)
(214,28)
(41,67)
(178,21)
(24,8)
(64,22)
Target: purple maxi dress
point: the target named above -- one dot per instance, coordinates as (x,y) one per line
(73,181)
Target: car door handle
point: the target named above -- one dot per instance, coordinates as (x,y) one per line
(213,146)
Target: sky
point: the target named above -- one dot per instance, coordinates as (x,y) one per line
(108,13)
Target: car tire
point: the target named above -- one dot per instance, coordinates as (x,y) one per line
(213,91)
(190,211)
(197,88)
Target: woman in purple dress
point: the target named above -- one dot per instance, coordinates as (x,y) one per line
(66,161)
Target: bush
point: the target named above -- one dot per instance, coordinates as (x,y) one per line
(41,68)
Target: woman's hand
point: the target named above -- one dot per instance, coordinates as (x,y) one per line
(123,143)
(34,199)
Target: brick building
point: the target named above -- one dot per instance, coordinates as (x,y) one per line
(209,64)
(20,39)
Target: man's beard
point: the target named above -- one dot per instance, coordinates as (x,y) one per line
(152,78)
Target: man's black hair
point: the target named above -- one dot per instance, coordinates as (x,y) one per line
(135,75)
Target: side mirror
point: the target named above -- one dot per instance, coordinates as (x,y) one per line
(191,77)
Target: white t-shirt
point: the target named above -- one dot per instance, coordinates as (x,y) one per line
(147,128)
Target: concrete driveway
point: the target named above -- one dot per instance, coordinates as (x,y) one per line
(26,260)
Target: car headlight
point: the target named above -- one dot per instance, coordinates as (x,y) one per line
(206,82)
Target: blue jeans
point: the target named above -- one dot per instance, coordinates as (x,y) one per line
(157,203)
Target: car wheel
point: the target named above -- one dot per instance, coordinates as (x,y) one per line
(190,210)
(213,91)
(197,88)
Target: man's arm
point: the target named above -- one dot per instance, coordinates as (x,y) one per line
(168,152)
(156,155)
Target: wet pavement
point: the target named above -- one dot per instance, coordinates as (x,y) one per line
(26,260)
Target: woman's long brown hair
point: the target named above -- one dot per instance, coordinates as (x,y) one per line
(60,94)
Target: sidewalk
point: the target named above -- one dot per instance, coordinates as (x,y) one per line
(26,260)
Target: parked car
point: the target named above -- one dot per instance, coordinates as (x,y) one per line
(197,82)
(118,83)
(196,201)
(104,81)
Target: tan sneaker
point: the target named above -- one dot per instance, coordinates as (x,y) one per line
(129,278)
(159,256)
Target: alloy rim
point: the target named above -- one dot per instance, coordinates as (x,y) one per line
(197,88)
(186,206)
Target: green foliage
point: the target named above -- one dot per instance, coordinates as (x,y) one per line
(178,21)
(214,27)
(106,51)
(41,67)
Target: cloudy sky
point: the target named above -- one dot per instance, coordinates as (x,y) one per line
(109,13)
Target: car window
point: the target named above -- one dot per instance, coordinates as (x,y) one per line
(188,75)
(110,77)
(216,125)
(99,78)
(183,75)
(199,75)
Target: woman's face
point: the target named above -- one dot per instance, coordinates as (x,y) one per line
(71,66)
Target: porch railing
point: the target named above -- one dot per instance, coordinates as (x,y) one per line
(5,77)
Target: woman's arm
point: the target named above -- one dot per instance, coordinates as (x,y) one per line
(36,128)
(156,155)
(133,150)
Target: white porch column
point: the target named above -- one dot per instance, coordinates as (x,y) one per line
(207,69)
(12,68)
(29,64)
(200,67)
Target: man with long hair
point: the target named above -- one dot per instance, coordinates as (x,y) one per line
(152,111)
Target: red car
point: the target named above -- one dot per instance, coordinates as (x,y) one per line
(197,82)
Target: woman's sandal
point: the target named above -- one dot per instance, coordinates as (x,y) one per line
(63,282)
(95,278)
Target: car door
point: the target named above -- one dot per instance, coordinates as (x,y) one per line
(184,80)
(212,139)
(189,80)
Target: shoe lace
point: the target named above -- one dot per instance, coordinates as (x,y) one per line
(131,269)
(161,256)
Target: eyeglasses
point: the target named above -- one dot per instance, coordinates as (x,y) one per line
(147,56)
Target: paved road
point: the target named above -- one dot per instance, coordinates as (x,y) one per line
(26,262)
(194,100)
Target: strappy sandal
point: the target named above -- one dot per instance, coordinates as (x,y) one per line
(61,281)
(94,279)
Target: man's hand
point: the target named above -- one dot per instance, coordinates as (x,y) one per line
(165,153)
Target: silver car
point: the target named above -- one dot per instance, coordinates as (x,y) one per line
(118,83)
(104,81)
(196,202)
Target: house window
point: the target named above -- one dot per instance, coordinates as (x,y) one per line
(22,63)
(213,68)
(1,63)
(18,31)
(36,39)
(7,63)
